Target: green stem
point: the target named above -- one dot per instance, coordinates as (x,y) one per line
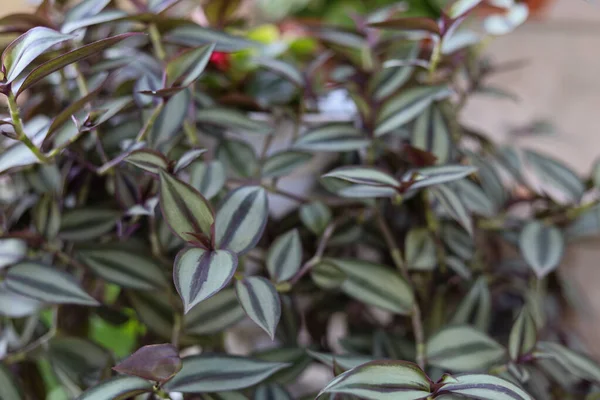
(155,38)
(20,131)
(190,132)
(161,393)
(177,325)
(81,83)
(436,55)
(150,123)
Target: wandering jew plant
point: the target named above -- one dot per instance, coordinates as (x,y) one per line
(173,177)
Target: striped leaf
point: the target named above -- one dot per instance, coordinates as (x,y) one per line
(14,305)
(169,122)
(284,256)
(188,66)
(432,133)
(523,335)
(199,274)
(271,391)
(219,372)
(238,157)
(343,361)
(459,267)
(574,363)
(375,284)
(407,105)
(157,362)
(420,249)
(391,79)
(327,275)
(315,216)
(124,266)
(11,251)
(85,22)
(462,7)
(87,223)
(480,386)
(119,387)
(382,380)
(22,51)
(184,209)
(335,137)
(437,175)
(542,246)
(490,181)
(9,388)
(153,310)
(84,9)
(295,357)
(233,120)
(463,348)
(556,175)
(476,307)
(46,218)
(77,358)
(215,314)
(367,191)
(284,162)
(260,301)
(474,198)
(459,242)
(46,284)
(453,205)
(187,158)
(282,68)
(208,177)
(363,176)
(241,219)
(195,35)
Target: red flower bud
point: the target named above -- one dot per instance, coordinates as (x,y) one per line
(220,60)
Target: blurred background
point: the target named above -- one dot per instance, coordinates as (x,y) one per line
(558,91)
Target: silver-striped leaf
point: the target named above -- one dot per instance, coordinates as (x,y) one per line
(77,359)
(208,177)
(148,160)
(184,209)
(11,251)
(46,218)
(476,307)
(271,391)
(579,365)
(214,314)
(169,123)
(47,284)
(453,205)
(474,198)
(556,175)
(283,69)
(284,162)
(461,7)
(463,348)
(363,176)
(9,388)
(219,372)
(343,361)
(315,216)
(480,386)
(420,249)
(14,305)
(437,175)
(382,380)
(327,275)
(542,247)
(335,137)
(431,133)
(238,157)
(523,335)
(196,35)
(284,256)
(295,357)
(83,224)
(199,274)
(391,78)
(124,266)
(188,66)
(233,120)
(187,158)
(407,105)
(260,301)
(154,310)
(119,387)
(376,285)
(241,219)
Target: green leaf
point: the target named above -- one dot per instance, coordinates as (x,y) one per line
(454,206)
(344,361)
(409,24)
(480,386)
(542,246)
(382,380)
(83,224)
(475,307)
(148,160)
(195,35)
(407,105)
(375,284)
(556,175)
(431,133)
(22,51)
(153,310)
(575,363)
(169,122)
(282,68)
(333,137)
(283,163)
(124,266)
(437,175)
(158,362)
(14,305)
(184,209)
(199,274)
(216,372)
(84,9)
(523,335)
(233,120)
(119,387)
(187,158)
(389,80)
(238,157)
(363,176)
(63,60)
(327,275)
(284,256)
(461,7)
(46,284)
(462,348)
(103,17)
(11,251)
(214,314)
(208,177)
(9,389)
(77,358)
(295,357)
(260,301)
(420,250)
(474,198)
(241,219)
(271,391)
(188,66)
(315,216)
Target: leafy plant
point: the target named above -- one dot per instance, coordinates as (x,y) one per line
(151,206)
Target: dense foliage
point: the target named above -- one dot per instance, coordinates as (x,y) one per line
(173,177)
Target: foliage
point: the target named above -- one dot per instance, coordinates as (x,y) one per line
(152,206)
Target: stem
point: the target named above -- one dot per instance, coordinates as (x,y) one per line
(435,59)
(155,38)
(318,254)
(416,317)
(190,132)
(20,131)
(160,393)
(150,123)
(81,83)
(177,324)
(42,340)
